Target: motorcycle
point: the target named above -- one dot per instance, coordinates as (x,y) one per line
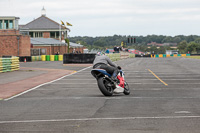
(107,85)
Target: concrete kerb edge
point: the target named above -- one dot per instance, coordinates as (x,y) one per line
(24,92)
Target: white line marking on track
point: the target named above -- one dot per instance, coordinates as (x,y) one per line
(115,98)
(95,83)
(182,112)
(44,84)
(96,119)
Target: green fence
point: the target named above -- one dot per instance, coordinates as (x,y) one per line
(9,64)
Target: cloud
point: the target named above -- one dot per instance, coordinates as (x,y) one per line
(98,17)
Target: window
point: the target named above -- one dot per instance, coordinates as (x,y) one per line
(1,24)
(38,34)
(31,34)
(57,34)
(5,24)
(52,35)
(10,24)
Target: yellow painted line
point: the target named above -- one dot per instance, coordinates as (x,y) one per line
(158,77)
(74,72)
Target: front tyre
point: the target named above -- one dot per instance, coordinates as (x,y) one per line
(105,87)
(126,88)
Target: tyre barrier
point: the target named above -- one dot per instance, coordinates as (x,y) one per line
(48,58)
(162,55)
(36,58)
(9,64)
(172,55)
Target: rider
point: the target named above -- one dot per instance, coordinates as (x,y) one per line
(104,62)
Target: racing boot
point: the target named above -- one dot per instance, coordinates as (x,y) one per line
(114,75)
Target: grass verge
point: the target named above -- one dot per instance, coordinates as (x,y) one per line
(193,57)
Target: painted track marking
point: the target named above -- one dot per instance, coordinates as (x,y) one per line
(158,77)
(95,119)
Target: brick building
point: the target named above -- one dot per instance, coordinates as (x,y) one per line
(47,36)
(12,43)
(50,46)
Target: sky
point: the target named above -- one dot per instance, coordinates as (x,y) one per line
(112,17)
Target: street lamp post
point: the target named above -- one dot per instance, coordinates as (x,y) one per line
(18,45)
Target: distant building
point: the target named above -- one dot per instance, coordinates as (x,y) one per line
(49,46)
(172,45)
(9,22)
(169,52)
(44,27)
(12,43)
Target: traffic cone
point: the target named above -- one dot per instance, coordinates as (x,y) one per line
(24,60)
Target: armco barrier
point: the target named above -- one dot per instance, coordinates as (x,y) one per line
(78,58)
(147,55)
(9,64)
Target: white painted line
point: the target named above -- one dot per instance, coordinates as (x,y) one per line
(44,84)
(72,83)
(182,112)
(96,83)
(115,98)
(98,119)
(184,83)
(182,79)
(80,79)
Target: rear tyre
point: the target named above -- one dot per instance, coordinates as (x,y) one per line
(104,86)
(126,88)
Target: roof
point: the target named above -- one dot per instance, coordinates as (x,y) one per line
(9,17)
(42,23)
(51,41)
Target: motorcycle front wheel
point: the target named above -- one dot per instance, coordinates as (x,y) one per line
(105,87)
(126,88)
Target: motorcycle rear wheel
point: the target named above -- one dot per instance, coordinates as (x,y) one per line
(104,87)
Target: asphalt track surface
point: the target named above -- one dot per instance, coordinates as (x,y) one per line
(165,97)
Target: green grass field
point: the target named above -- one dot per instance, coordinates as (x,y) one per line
(193,57)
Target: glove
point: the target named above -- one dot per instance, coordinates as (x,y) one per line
(119,67)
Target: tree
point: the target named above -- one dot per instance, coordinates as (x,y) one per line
(197,40)
(162,50)
(193,47)
(177,40)
(182,46)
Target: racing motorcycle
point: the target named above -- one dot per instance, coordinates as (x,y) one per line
(107,85)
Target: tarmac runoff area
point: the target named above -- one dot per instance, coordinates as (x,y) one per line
(165,96)
(32,75)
